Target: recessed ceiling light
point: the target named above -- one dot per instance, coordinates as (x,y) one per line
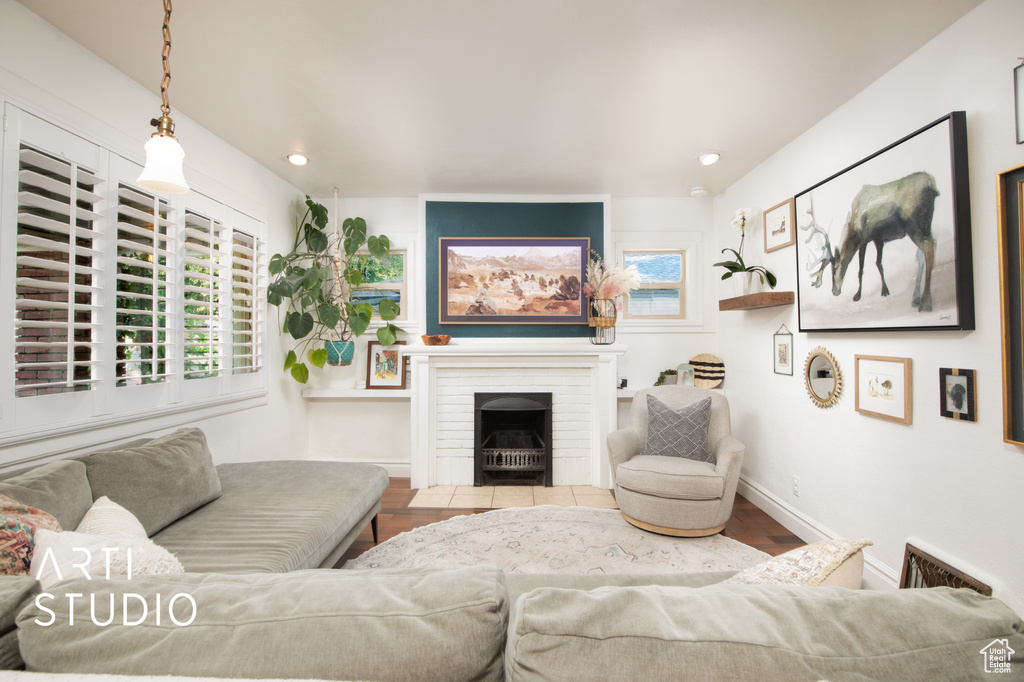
(708,158)
(698,191)
(298,159)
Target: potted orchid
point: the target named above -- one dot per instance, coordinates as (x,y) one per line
(741,221)
(604,286)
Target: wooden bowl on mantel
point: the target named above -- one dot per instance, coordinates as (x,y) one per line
(436,339)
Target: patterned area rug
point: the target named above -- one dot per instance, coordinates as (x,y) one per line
(551,539)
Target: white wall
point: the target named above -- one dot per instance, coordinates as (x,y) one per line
(377,430)
(70,86)
(954,486)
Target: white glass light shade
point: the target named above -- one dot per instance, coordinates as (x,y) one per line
(163,171)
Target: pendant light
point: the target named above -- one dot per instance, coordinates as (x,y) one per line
(164,156)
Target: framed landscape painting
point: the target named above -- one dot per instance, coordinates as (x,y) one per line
(779,226)
(885,244)
(512,281)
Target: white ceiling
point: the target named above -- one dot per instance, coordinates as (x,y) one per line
(398,97)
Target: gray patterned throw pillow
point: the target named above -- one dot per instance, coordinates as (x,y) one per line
(679,433)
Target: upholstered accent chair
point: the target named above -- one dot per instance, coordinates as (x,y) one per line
(670,493)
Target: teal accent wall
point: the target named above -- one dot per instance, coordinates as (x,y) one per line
(506,219)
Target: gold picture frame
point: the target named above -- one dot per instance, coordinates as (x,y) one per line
(780,226)
(884,387)
(1010,213)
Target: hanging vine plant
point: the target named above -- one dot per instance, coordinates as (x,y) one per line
(314,283)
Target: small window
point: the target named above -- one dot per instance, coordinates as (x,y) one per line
(382,278)
(142,279)
(245,260)
(660,294)
(204,259)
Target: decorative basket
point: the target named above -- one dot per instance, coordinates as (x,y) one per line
(602,313)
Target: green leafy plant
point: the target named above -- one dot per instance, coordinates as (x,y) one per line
(665,373)
(313,283)
(740,221)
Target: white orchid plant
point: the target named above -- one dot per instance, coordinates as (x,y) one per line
(741,221)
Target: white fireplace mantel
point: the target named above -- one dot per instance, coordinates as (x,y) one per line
(580,375)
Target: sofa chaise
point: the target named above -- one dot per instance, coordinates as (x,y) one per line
(251,517)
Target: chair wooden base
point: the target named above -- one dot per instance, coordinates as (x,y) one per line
(675,532)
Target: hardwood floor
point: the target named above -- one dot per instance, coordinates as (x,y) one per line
(748,524)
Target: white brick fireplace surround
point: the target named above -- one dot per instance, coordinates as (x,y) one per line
(579,375)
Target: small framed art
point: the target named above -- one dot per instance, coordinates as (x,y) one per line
(778,226)
(958,395)
(783,351)
(385,365)
(884,387)
(684,373)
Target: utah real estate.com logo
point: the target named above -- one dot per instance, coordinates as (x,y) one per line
(997,656)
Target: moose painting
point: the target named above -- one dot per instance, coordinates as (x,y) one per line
(885,244)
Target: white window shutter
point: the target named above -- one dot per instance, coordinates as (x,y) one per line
(144,281)
(203,295)
(56,322)
(246,312)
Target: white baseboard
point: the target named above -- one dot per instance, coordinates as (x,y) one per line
(877,575)
(394,469)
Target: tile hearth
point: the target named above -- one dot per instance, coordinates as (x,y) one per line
(504,496)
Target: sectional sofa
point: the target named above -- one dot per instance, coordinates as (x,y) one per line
(253,605)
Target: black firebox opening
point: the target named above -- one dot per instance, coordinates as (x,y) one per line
(512,439)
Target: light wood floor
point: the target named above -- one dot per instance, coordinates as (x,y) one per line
(748,524)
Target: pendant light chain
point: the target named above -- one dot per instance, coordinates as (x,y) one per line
(166,54)
(164,156)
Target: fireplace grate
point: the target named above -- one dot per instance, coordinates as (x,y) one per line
(513,450)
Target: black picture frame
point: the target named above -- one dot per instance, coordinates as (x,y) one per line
(958,394)
(918,185)
(514,278)
(1018,101)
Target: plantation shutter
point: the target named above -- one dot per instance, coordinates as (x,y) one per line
(56,322)
(246,350)
(203,295)
(145,226)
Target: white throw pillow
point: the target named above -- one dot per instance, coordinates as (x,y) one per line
(106,517)
(62,556)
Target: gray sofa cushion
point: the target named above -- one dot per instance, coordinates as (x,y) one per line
(16,591)
(519,584)
(59,488)
(159,480)
(352,625)
(275,516)
(745,632)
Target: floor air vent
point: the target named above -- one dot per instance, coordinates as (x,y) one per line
(921,569)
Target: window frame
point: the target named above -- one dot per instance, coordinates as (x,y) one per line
(403,288)
(27,419)
(692,290)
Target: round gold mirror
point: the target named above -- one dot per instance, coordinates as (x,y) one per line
(823,379)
